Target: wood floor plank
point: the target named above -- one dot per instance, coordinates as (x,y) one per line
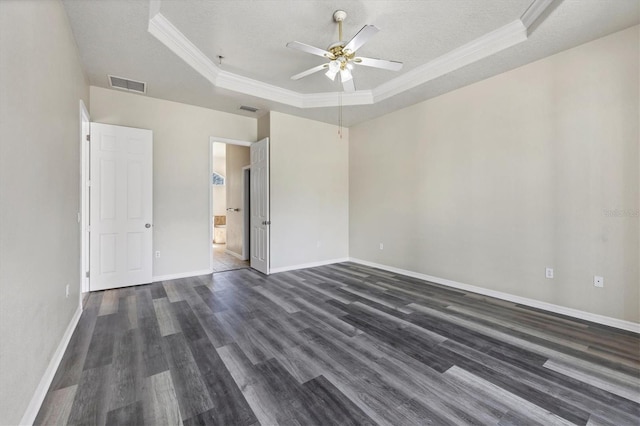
(154,360)
(167,320)
(230,407)
(110,303)
(192,393)
(337,344)
(56,407)
(72,363)
(129,309)
(127,380)
(606,380)
(100,351)
(262,403)
(131,414)
(93,387)
(172,288)
(159,401)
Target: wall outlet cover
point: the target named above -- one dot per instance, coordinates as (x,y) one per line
(549,273)
(598,281)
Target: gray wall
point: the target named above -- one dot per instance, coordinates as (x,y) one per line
(309,191)
(181,180)
(41,84)
(491,183)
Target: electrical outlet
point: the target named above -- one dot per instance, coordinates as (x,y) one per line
(66,291)
(598,281)
(381,246)
(549,273)
(158,253)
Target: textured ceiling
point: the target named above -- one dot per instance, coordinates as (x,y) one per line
(113,39)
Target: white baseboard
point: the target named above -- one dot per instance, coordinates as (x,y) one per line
(181,275)
(43,387)
(234,254)
(308,265)
(575,313)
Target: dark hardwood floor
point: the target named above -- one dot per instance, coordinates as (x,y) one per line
(341,344)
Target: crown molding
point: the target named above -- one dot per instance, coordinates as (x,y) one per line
(535,10)
(330,99)
(162,29)
(484,46)
(480,48)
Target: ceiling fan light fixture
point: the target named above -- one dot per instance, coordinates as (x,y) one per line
(345,75)
(342,55)
(331,74)
(334,67)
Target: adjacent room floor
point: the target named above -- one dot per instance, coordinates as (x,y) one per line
(339,344)
(223,261)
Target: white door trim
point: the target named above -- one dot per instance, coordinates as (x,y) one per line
(212,140)
(246,212)
(83,214)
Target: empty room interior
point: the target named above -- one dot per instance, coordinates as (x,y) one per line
(319,212)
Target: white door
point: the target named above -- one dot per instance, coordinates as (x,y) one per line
(260,206)
(120,207)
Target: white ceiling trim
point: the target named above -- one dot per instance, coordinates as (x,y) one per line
(534,11)
(491,43)
(480,48)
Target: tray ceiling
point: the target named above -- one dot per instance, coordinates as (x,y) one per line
(444,45)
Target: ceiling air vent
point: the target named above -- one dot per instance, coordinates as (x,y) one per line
(126,84)
(248,108)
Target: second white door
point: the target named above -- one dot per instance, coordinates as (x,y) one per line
(260,206)
(121,236)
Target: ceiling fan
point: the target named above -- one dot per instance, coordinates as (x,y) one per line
(342,55)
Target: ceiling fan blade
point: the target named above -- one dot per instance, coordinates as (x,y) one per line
(310,71)
(378,63)
(348,85)
(309,49)
(361,38)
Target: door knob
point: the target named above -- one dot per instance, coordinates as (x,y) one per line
(148,225)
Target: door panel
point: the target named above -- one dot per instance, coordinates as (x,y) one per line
(120,207)
(260,206)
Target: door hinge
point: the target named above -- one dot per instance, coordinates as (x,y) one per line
(88,138)
(88,183)
(89,228)
(87,274)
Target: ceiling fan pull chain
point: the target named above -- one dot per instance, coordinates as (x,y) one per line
(340,114)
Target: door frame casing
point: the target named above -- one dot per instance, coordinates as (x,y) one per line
(212,140)
(83,214)
(246,214)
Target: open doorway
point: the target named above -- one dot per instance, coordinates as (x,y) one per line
(229,205)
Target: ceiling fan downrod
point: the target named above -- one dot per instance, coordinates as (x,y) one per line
(339,16)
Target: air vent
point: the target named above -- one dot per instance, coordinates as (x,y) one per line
(126,84)
(248,108)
